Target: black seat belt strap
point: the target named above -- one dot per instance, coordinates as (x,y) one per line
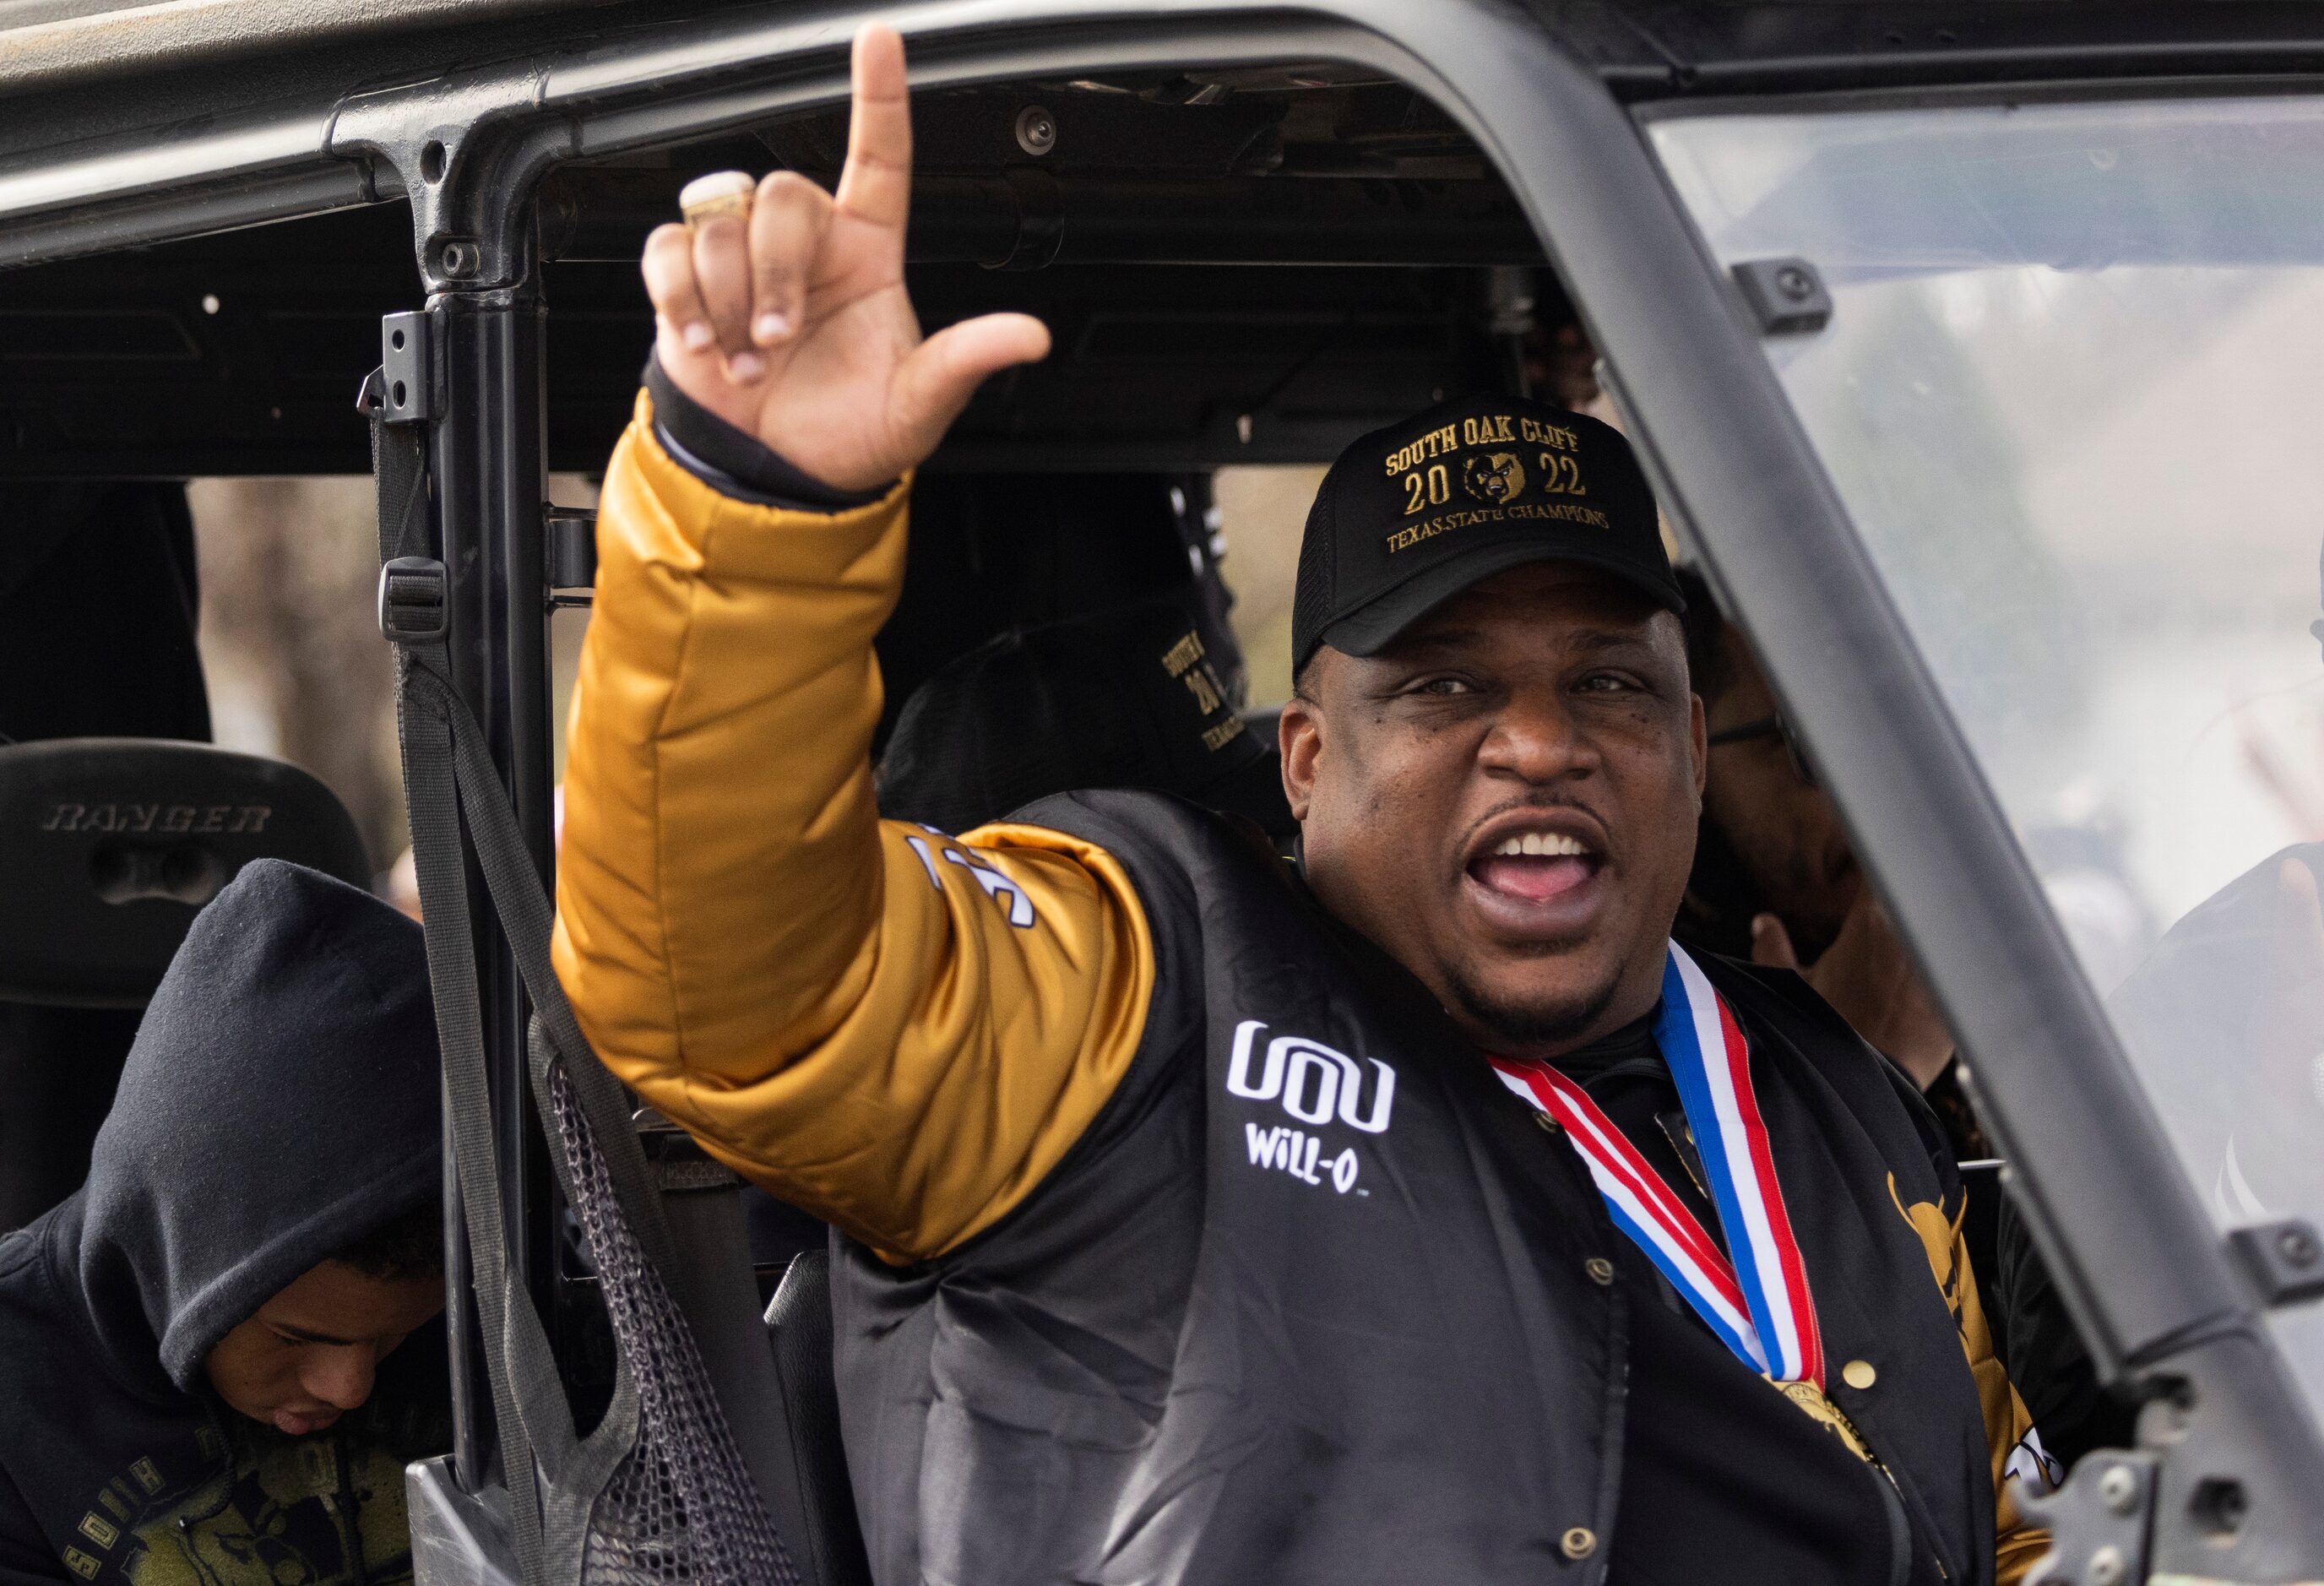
(399,461)
(666,1409)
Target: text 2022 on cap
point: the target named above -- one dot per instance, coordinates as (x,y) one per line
(1411,515)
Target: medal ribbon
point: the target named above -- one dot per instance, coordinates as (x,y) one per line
(1760,1305)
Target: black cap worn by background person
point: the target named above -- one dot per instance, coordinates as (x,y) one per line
(1120,699)
(1411,515)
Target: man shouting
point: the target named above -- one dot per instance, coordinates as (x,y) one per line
(1421,1216)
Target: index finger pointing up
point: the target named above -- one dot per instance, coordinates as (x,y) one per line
(877,183)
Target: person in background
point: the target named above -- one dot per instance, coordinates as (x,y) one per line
(199,1349)
(1774,880)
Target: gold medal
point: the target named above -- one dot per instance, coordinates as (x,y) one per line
(1820,1409)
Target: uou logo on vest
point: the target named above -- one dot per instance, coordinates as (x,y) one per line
(1315,1085)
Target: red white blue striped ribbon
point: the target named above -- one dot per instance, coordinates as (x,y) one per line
(1761,1305)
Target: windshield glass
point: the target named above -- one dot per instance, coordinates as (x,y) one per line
(2071,391)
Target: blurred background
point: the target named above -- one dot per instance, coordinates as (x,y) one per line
(297,669)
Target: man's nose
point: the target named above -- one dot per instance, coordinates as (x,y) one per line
(341,1377)
(1536,739)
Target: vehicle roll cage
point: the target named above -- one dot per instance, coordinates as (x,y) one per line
(1549,99)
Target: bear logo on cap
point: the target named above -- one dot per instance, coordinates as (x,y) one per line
(1496,477)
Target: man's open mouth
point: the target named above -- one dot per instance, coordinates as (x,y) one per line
(1535,865)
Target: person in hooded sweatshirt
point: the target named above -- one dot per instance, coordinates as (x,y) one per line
(217,1355)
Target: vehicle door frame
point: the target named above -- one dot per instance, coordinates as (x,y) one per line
(2146,1275)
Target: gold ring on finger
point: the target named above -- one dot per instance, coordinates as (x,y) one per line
(722,192)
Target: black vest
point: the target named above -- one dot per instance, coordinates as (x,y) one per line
(1312,1299)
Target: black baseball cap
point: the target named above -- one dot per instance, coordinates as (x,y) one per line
(1411,515)
(1124,697)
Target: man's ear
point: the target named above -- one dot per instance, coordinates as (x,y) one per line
(1299,735)
(1698,728)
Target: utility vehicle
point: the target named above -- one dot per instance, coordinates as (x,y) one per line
(1975,349)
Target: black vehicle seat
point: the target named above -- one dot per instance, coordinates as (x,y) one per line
(994,552)
(1125,697)
(799,1329)
(108,846)
(98,599)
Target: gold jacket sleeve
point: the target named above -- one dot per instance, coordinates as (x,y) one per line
(898,1031)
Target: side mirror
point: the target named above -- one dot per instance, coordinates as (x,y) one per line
(108,847)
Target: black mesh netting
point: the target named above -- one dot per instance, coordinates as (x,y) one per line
(681,1507)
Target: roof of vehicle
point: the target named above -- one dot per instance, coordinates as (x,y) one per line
(176,60)
(130,126)
(1644,45)
(48,43)
(77,71)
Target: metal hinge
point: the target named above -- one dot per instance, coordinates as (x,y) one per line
(1786,295)
(2099,1521)
(569,555)
(2285,1258)
(406,371)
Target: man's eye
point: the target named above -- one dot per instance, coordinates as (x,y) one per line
(1607,683)
(1443,685)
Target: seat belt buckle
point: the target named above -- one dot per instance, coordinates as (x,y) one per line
(413,600)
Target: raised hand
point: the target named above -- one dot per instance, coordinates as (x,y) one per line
(1869,979)
(794,325)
